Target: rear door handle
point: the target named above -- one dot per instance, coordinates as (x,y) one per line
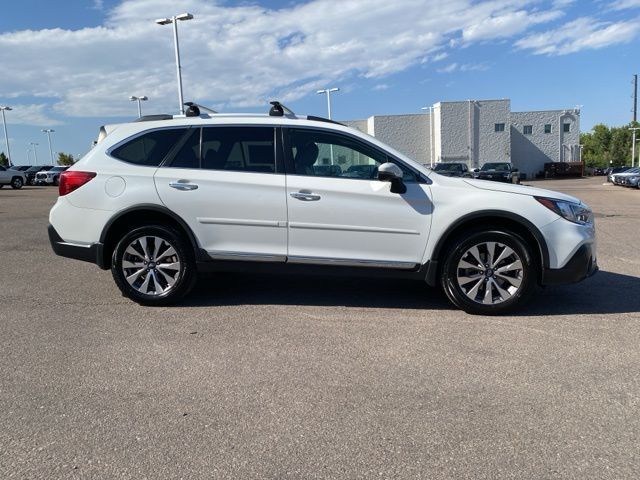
(305,196)
(183,185)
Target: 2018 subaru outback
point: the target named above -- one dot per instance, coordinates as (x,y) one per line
(160,199)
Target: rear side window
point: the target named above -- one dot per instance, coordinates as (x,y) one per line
(240,149)
(150,148)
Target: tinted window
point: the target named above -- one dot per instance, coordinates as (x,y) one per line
(150,148)
(189,154)
(499,127)
(2,169)
(547,128)
(326,154)
(241,149)
(566,127)
(527,129)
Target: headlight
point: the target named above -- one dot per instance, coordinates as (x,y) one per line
(574,212)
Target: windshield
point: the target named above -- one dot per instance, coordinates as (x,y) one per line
(447,167)
(58,169)
(501,167)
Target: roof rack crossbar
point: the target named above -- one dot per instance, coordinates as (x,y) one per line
(280,110)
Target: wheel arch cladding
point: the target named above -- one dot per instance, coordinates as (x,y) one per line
(490,220)
(139,216)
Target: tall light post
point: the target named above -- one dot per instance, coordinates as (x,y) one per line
(49,131)
(143,98)
(174,20)
(35,151)
(328,92)
(633,145)
(6,137)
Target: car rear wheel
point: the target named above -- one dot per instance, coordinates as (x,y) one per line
(489,273)
(16,183)
(153,265)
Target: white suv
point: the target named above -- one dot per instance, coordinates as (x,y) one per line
(161,199)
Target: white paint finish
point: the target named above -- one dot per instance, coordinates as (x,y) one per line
(246,208)
(380,219)
(76,224)
(565,238)
(115,186)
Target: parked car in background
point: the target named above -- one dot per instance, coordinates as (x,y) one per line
(15,178)
(20,168)
(598,172)
(621,178)
(612,171)
(49,177)
(452,169)
(30,173)
(498,172)
(632,180)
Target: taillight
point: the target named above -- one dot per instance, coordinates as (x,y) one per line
(72,180)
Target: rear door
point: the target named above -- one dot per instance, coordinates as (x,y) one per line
(226,183)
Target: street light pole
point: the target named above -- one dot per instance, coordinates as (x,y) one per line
(328,92)
(49,131)
(6,137)
(142,98)
(633,145)
(35,151)
(174,20)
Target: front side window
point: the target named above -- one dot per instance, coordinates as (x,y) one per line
(149,149)
(326,154)
(527,129)
(240,149)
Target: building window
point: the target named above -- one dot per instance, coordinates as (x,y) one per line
(547,128)
(527,129)
(566,127)
(499,127)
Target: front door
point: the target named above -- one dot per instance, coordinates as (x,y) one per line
(224,183)
(341,214)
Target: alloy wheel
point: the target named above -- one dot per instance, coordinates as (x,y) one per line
(151,265)
(490,273)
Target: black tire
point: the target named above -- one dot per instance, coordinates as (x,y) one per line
(467,287)
(185,274)
(16,183)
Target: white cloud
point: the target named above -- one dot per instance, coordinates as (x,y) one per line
(466,67)
(380,87)
(584,33)
(440,56)
(507,24)
(624,4)
(240,55)
(31,114)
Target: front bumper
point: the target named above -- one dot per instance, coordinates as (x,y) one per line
(581,265)
(87,253)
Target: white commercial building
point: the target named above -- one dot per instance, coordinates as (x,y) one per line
(480,131)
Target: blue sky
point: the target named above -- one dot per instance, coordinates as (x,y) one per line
(72,65)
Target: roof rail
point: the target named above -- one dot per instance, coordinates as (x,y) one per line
(322,119)
(279,110)
(152,118)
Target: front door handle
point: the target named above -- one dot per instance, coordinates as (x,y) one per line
(305,196)
(183,185)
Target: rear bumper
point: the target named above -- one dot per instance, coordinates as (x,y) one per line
(89,253)
(582,265)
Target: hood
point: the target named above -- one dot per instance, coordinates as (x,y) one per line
(519,189)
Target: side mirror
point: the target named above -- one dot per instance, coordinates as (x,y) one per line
(390,172)
(475,170)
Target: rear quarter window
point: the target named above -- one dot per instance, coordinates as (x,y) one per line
(150,148)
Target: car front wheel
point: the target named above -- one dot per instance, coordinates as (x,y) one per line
(16,183)
(489,273)
(153,265)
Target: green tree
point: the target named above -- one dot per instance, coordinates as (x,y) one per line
(4,161)
(605,146)
(65,159)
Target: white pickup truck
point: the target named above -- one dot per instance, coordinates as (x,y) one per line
(15,178)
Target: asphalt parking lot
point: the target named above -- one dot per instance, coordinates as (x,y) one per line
(295,377)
